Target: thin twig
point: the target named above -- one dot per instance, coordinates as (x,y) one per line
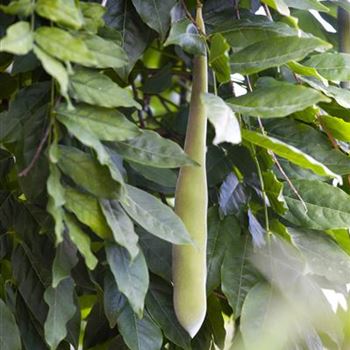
(139,112)
(268,13)
(25,171)
(190,17)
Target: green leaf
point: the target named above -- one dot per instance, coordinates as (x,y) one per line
(336,126)
(289,152)
(226,125)
(93,16)
(307,5)
(86,137)
(61,310)
(245,32)
(55,68)
(56,200)
(138,334)
(81,241)
(20,7)
(304,137)
(107,53)
(270,101)
(88,211)
(216,321)
(62,45)
(155,13)
(185,34)
(221,233)
(77,164)
(9,333)
(159,302)
(97,89)
(65,259)
(323,256)
(305,70)
(121,226)
(278,5)
(219,58)
(332,66)
(131,275)
(154,216)
(18,39)
(105,124)
(151,149)
(327,207)
(64,12)
(237,274)
(274,189)
(273,53)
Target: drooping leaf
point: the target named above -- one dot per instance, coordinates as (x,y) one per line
(270,101)
(9,333)
(18,39)
(151,149)
(106,124)
(62,45)
(298,68)
(121,226)
(77,164)
(97,89)
(185,34)
(88,211)
(131,275)
(154,216)
(54,68)
(273,53)
(155,13)
(81,241)
(327,207)
(221,233)
(289,152)
(61,310)
(64,12)
(159,304)
(226,125)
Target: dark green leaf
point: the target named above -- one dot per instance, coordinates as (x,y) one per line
(131,275)
(9,333)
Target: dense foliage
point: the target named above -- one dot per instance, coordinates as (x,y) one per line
(94,104)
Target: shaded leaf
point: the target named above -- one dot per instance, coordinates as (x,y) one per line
(18,7)
(131,275)
(9,333)
(219,58)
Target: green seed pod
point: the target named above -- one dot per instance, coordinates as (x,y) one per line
(191,202)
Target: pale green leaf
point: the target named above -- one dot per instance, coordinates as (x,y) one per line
(9,334)
(18,39)
(289,152)
(97,89)
(226,125)
(271,101)
(306,70)
(151,149)
(61,310)
(273,53)
(339,128)
(64,12)
(63,45)
(81,241)
(131,275)
(278,5)
(307,5)
(93,16)
(18,7)
(55,68)
(87,209)
(105,124)
(219,58)
(154,216)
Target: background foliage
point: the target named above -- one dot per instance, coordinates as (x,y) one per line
(94,102)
